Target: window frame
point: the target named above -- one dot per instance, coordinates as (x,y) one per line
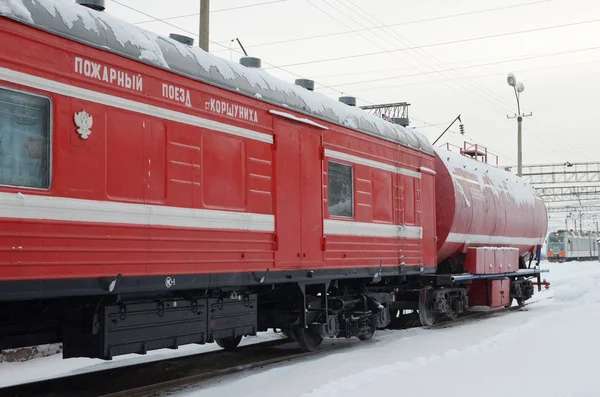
(353,187)
(50,130)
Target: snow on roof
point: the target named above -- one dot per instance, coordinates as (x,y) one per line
(496,179)
(99,29)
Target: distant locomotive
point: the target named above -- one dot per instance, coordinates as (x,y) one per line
(569,245)
(153,195)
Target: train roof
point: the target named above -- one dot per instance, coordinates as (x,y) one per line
(101,30)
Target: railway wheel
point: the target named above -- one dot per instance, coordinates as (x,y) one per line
(308,342)
(229,343)
(367,335)
(520,302)
(427,315)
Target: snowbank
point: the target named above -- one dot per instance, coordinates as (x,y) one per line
(547,349)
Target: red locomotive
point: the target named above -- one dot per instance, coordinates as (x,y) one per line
(153,195)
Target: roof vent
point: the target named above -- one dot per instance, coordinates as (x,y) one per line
(97,5)
(348,100)
(403,121)
(182,39)
(306,83)
(250,62)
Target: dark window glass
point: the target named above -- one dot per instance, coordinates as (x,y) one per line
(340,187)
(24,140)
(554,238)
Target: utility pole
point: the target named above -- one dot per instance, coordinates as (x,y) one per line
(204,24)
(518,87)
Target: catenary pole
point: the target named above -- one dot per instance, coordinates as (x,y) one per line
(204,24)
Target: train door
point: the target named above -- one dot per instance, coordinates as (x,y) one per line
(298,190)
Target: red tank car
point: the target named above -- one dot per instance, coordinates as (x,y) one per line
(480,205)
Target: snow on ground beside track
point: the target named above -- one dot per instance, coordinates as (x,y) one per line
(55,367)
(548,349)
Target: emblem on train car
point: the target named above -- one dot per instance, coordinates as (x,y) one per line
(84,122)
(169,282)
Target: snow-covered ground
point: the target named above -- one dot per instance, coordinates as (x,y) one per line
(548,349)
(55,367)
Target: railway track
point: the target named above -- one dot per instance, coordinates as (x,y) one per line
(481,314)
(150,379)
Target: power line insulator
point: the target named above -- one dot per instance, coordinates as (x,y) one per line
(462,129)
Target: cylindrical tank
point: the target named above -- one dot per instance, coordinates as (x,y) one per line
(481,205)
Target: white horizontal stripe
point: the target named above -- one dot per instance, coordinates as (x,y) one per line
(118,102)
(494,240)
(370,163)
(76,210)
(427,170)
(363,229)
(298,119)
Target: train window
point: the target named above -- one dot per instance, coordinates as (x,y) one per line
(24,140)
(341,190)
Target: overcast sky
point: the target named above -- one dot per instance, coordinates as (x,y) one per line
(558,65)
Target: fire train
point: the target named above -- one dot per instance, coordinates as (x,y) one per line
(154,195)
(569,245)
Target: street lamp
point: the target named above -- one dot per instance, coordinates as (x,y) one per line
(518,87)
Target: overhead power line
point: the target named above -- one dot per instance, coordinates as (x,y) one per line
(319,36)
(385,87)
(216,11)
(494,98)
(388,78)
(473,64)
(443,43)
(391,52)
(466,83)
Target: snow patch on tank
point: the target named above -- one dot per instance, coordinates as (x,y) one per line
(459,188)
(99,29)
(70,15)
(16,10)
(485,176)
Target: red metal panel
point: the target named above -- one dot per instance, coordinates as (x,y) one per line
(475,261)
(511,260)
(500,261)
(478,295)
(184,174)
(381,195)
(125,181)
(312,202)
(489,259)
(409,200)
(223,171)
(288,210)
(505,292)
(155,144)
(496,293)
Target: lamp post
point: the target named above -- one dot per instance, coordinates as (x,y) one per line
(518,87)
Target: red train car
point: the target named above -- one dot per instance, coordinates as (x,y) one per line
(153,195)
